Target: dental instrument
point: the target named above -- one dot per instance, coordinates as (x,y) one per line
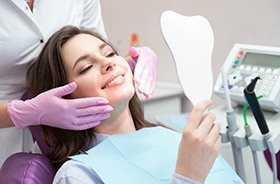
(233,128)
(260,119)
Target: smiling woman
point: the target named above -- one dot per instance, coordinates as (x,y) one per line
(82,56)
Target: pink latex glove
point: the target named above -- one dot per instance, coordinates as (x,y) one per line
(144,64)
(49,108)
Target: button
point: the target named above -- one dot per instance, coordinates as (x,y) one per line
(268,70)
(268,88)
(234,77)
(236,62)
(248,68)
(265,82)
(263,87)
(270,83)
(41,41)
(276,71)
(273,77)
(261,69)
(255,69)
(241,67)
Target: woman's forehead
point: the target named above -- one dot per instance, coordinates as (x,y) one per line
(82,43)
(85,39)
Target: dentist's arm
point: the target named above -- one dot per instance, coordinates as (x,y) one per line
(5,121)
(143,61)
(50,108)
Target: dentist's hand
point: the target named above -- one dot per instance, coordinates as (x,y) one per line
(199,145)
(49,108)
(144,64)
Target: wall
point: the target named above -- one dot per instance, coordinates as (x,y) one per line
(233,21)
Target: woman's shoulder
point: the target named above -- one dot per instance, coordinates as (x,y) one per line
(76,172)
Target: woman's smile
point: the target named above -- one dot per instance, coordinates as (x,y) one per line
(114,80)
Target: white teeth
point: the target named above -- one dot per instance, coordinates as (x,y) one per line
(115,81)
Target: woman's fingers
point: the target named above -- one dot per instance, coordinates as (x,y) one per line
(206,124)
(197,114)
(214,134)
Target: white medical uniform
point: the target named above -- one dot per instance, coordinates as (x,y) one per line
(22,35)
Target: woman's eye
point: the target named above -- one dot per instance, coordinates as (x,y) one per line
(111,54)
(84,70)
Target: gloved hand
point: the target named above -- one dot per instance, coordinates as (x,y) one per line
(49,108)
(144,64)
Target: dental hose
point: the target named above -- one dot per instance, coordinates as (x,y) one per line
(248,131)
(254,153)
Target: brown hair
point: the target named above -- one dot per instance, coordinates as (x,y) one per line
(48,72)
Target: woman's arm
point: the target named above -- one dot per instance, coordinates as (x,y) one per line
(179,179)
(200,144)
(73,172)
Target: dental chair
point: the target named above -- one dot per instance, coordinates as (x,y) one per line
(28,168)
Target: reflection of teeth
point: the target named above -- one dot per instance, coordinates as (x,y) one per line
(115,81)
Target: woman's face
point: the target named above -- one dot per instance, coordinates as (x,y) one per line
(97,69)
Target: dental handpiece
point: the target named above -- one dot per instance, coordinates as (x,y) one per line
(255,106)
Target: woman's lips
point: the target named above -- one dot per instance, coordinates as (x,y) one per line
(113,80)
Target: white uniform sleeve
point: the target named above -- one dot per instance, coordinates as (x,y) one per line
(92,17)
(179,179)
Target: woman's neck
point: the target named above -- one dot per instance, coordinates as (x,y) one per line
(118,123)
(30,4)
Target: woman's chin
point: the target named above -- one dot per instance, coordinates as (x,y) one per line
(121,96)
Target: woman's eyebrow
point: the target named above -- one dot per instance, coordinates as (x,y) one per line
(103,45)
(80,59)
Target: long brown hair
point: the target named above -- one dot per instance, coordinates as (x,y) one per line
(48,72)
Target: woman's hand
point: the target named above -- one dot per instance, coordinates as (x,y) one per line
(200,143)
(144,64)
(49,108)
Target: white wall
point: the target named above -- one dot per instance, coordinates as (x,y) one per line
(233,21)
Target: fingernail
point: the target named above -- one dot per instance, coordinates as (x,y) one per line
(109,108)
(104,116)
(102,101)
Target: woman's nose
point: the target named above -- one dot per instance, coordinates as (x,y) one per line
(108,66)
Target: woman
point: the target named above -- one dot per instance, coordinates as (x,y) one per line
(83,56)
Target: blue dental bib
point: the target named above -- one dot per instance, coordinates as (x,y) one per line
(146,156)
